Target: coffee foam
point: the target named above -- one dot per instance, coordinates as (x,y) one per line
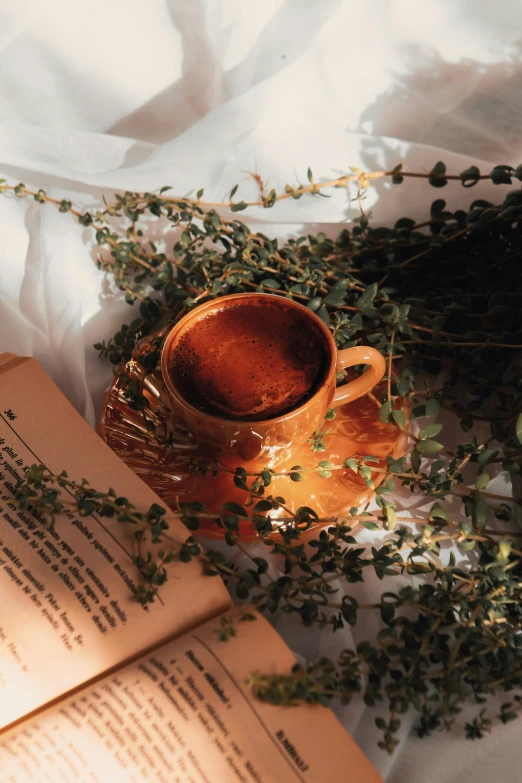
(250,361)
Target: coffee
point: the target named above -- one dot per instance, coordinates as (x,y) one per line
(250,361)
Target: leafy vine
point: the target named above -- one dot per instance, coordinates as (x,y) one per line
(440,300)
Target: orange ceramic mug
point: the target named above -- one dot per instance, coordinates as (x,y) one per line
(253,375)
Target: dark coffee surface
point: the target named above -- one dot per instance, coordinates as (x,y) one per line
(250,362)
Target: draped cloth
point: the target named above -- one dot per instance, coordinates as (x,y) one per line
(99,97)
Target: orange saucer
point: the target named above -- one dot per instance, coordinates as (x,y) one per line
(162,457)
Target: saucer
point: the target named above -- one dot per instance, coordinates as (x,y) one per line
(163,456)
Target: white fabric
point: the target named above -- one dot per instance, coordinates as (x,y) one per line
(125,94)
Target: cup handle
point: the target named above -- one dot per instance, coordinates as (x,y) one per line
(359,354)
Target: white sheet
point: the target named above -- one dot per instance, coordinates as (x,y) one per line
(125,94)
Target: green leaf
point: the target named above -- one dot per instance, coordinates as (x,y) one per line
(480,514)
(387,613)
(394,465)
(269,282)
(270,200)
(351,463)
(324,315)
(399,419)
(231,525)
(501,175)
(391,518)
(465,527)
(335,298)
(239,207)
(367,297)
(429,431)
(191,522)
(437,511)
(315,303)
(437,175)
(482,481)
(432,407)
(309,612)
(305,514)
(385,412)
(365,472)
(429,447)
(310,175)
(506,717)
(470,176)
(487,456)
(406,224)
(396,176)
(267,477)
(242,591)
(415,461)
(369,525)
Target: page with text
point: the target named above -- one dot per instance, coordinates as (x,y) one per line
(67,611)
(186,715)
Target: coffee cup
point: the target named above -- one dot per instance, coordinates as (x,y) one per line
(253,375)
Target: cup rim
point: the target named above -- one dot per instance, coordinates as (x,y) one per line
(214,303)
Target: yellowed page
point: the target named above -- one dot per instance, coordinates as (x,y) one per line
(185,715)
(67,611)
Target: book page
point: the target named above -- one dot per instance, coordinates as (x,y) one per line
(185,715)
(67,610)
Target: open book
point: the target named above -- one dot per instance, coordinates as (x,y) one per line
(95,687)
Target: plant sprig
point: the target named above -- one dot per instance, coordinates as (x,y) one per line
(440,300)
